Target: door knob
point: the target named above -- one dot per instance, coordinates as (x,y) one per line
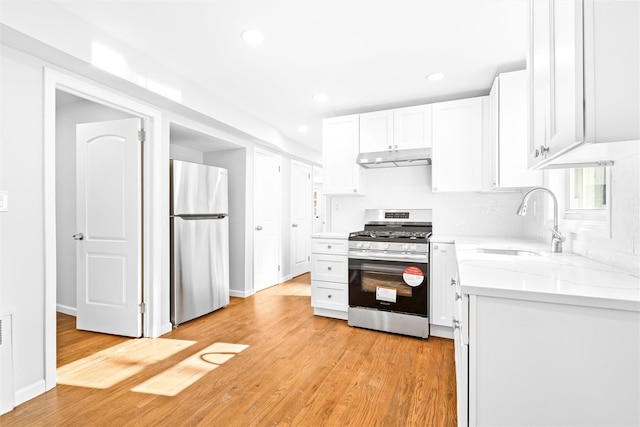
(258,228)
(78,236)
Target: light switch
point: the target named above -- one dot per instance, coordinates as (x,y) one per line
(4,201)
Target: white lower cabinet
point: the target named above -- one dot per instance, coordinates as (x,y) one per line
(329,275)
(538,363)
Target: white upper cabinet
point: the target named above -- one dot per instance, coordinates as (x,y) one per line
(376,131)
(412,127)
(340,136)
(506,156)
(584,62)
(399,129)
(458,137)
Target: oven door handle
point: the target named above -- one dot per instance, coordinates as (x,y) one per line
(384,256)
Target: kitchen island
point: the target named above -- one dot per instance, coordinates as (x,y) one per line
(544,339)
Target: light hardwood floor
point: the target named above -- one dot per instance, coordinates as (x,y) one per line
(298,369)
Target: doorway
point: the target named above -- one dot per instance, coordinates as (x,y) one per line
(70,111)
(155,178)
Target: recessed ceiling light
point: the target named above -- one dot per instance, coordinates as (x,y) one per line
(435,76)
(319,97)
(303,129)
(252,36)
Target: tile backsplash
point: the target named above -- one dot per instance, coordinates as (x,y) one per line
(477,214)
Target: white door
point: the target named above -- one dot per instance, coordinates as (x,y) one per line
(266,219)
(301,217)
(109,224)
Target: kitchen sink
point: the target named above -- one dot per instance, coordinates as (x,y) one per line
(512,252)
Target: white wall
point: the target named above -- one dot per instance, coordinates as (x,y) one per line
(21,228)
(177,152)
(67,116)
(235,161)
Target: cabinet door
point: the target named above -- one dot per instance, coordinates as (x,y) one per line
(443,269)
(458,135)
(556,61)
(412,127)
(540,79)
(492,147)
(511,130)
(376,131)
(339,153)
(567,108)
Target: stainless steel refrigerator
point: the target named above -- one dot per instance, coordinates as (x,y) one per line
(199,240)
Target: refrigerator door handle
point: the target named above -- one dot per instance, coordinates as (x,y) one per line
(189,217)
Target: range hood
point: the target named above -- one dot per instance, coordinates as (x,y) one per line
(388,159)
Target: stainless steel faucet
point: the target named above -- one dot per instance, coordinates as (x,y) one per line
(556,237)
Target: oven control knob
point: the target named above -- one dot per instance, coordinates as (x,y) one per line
(405,247)
(413,247)
(367,245)
(359,245)
(386,246)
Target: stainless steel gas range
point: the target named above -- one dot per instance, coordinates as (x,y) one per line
(389,272)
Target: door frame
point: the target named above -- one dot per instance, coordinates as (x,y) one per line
(308,216)
(154,204)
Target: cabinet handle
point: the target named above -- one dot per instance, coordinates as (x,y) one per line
(328,246)
(329,296)
(453,282)
(457,297)
(543,149)
(329,268)
(390,147)
(435,247)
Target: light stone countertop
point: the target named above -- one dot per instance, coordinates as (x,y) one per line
(557,278)
(331,235)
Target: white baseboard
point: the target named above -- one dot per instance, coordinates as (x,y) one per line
(441,331)
(7,395)
(65,309)
(164,329)
(285,278)
(29,392)
(241,294)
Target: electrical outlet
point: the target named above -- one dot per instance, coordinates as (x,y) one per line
(4,201)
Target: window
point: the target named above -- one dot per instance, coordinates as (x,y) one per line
(588,202)
(588,188)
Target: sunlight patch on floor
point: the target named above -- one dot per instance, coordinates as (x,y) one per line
(112,365)
(177,378)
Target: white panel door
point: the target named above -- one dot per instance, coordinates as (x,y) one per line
(266,219)
(301,217)
(109,224)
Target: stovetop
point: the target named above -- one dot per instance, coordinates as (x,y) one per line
(395,226)
(386,235)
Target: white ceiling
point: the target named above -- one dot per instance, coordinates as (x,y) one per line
(365,55)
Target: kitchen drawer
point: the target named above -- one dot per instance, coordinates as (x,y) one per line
(329,246)
(329,268)
(329,295)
